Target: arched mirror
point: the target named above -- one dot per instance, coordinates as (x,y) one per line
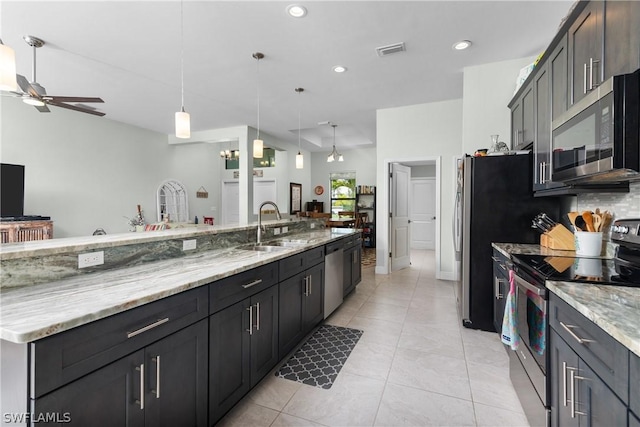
(173,201)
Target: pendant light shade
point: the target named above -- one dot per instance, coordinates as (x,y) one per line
(183,120)
(258,144)
(7,68)
(299,157)
(183,124)
(334,155)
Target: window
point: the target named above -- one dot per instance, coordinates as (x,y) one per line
(268,160)
(343,192)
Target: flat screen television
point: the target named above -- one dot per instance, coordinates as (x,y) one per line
(11,190)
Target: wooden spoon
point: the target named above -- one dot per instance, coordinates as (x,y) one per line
(588,219)
(579,224)
(572,218)
(597,222)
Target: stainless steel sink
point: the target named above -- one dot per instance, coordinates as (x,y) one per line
(288,243)
(263,248)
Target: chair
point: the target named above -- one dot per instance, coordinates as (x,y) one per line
(361,219)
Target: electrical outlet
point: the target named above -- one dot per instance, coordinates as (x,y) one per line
(90,259)
(276,231)
(188,245)
(312,225)
(285,229)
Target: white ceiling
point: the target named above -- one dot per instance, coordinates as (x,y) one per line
(128,53)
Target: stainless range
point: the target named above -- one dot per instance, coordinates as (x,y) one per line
(528,364)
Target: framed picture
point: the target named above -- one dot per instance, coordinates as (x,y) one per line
(295,197)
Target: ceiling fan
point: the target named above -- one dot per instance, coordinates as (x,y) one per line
(36,95)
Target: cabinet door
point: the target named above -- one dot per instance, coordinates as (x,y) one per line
(291,319)
(585,50)
(356,273)
(559,75)
(264,336)
(314,298)
(542,145)
(516,124)
(229,363)
(564,361)
(596,404)
(633,420)
(620,38)
(528,116)
(176,378)
(107,397)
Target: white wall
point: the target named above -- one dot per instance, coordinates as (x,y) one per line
(487,90)
(86,172)
(423,171)
(361,161)
(411,133)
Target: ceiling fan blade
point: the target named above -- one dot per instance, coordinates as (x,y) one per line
(51,98)
(75,108)
(26,87)
(42,108)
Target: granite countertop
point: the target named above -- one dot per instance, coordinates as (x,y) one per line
(616,309)
(529,249)
(33,312)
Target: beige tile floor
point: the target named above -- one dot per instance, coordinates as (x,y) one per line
(415,365)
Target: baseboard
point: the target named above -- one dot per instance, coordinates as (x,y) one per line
(446,275)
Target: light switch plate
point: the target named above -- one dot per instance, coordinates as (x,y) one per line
(188,245)
(285,229)
(276,231)
(90,259)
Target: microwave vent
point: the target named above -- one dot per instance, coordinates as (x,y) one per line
(390,49)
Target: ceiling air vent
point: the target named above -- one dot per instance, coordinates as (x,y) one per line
(390,49)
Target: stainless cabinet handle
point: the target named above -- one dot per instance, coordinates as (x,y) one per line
(590,74)
(310,284)
(584,89)
(257,316)
(141,400)
(250,284)
(146,328)
(250,330)
(565,368)
(572,379)
(594,84)
(497,282)
(496,259)
(569,329)
(157,390)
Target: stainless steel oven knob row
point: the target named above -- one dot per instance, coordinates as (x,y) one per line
(622,229)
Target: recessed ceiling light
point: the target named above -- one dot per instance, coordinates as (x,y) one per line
(339,69)
(461,45)
(297,11)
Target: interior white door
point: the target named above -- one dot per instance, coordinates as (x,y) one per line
(423,213)
(230,203)
(400,181)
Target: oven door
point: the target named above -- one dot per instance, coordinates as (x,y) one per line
(532,309)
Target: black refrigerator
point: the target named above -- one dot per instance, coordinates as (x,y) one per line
(494,203)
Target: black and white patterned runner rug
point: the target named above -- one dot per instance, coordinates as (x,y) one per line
(319,360)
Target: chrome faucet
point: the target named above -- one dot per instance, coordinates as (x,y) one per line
(259,236)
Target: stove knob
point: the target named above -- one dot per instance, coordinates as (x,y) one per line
(614,228)
(624,229)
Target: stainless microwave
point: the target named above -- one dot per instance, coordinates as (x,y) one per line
(597,139)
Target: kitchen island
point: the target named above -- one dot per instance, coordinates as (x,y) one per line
(214,317)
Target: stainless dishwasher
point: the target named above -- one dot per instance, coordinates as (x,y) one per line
(333,267)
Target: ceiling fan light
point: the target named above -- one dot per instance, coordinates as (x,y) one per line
(258,148)
(299,161)
(7,68)
(183,124)
(33,101)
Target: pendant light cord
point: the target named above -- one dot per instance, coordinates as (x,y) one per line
(299,114)
(182,54)
(258,90)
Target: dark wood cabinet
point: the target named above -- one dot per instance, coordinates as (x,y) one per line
(634,383)
(585,41)
(522,118)
(301,307)
(542,140)
(559,76)
(352,264)
(633,420)
(164,384)
(243,347)
(621,37)
(564,361)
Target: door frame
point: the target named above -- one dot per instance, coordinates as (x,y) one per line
(383,238)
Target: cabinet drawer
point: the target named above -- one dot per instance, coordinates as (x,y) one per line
(292,265)
(230,290)
(605,356)
(313,256)
(634,383)
(64,357)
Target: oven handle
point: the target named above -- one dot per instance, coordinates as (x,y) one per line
(528,286)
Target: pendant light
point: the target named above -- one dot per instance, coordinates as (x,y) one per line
(7,68)
(183,120)
(334,155)
(299,157)
(258,144)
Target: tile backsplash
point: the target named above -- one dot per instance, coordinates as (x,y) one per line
(622,205)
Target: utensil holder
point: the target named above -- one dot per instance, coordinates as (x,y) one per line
(559,237)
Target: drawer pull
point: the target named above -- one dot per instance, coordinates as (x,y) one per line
(250,284)
(568,328)
(141,401)
(146,328)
